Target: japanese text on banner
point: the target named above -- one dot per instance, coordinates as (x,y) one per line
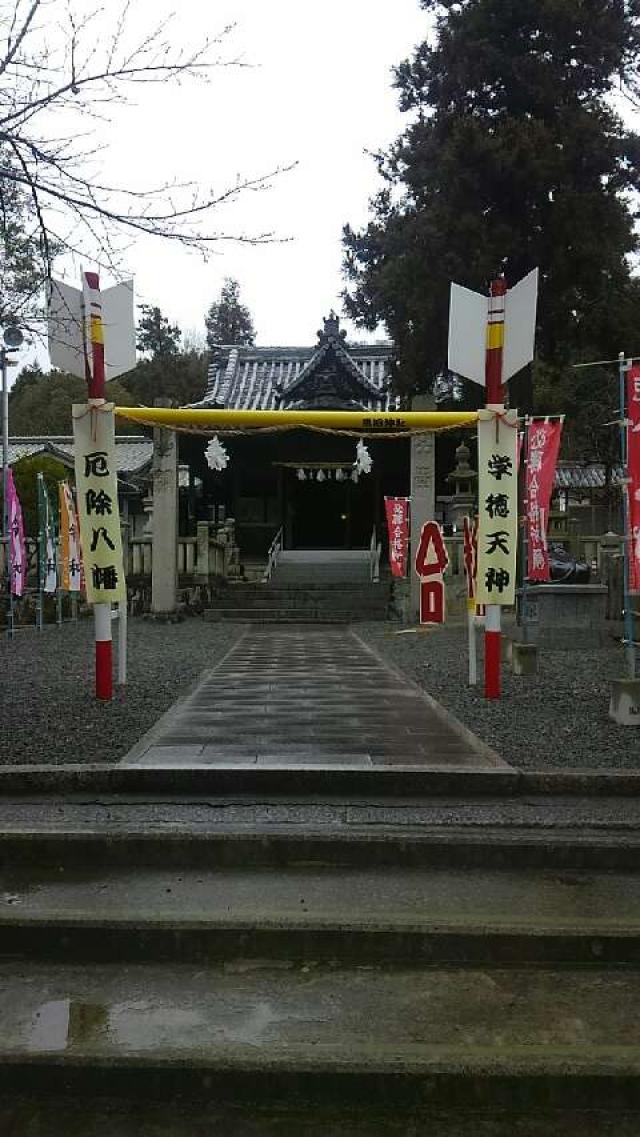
(633,463)
(497,507)
(397,510)
(70,558)
(97,491)
(543,445)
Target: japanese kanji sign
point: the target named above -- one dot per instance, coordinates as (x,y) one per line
(70,558)
(633,464)
(543,445)
(97,493)
(17,547)
(397,510)
(497,507)
(430,563)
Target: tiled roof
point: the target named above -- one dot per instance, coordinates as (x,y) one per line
(261,378)
(133,452)
(583,476)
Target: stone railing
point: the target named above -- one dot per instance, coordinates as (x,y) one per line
(205,555)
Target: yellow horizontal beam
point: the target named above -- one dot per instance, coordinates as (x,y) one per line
(357,422)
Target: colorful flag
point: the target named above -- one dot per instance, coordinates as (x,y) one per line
(633,470)
(70,559)
(97,489)
(397,511)
(47,527)
(498,506)
(543,445)
(17,547)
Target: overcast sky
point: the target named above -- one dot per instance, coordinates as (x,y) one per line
(318,93)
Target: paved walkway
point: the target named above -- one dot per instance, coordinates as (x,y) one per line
(298,696)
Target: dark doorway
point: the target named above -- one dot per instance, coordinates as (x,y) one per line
(330,514)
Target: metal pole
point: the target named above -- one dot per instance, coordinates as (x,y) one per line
(627,614)
(122,643)
(5,488)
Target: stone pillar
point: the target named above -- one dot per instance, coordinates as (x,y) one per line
(423,493)
(164,560)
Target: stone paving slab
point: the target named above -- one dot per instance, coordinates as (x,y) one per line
(308,696)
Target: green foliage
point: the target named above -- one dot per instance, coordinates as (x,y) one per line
(21,251)
(155,334)
(514,158)
(181,377)
(25,475)
(228,321)
(40,403)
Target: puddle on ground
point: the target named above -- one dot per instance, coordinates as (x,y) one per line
(63,1023)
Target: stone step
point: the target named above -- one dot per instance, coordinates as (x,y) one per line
(60,1116)
(87,913)
(325,615)
(261,1033)
(300,598)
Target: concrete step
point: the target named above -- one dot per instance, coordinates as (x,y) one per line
(373,596)
(347,1035)
(60,1116)
(87,913)
(325,615)
(283,616)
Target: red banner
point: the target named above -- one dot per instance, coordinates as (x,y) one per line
(397,510)
(431,561)
(543,444)
(633,467)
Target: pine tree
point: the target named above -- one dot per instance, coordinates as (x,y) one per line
(155,334)
(228,321)
(514,158)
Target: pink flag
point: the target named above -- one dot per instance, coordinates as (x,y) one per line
(17,547)
(633,469)
(543,445)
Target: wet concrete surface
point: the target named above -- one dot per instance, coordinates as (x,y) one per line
(65,1117)
(252,1015)
(551,902)
(106,813)
(308,696)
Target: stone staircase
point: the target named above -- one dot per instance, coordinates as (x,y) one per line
(445,953)
(326,586)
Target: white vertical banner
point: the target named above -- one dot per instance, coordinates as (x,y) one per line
(97,494)
(497,507)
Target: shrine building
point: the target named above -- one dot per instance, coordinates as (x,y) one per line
(300,481)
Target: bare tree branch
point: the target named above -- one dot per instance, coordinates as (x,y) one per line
(53,197)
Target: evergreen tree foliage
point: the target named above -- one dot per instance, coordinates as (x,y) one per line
(228,321)
(155,334)
(21,252)
(180,376)
(514,157)
(40,402)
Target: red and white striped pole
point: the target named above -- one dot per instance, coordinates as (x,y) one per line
(495,402)
(97,397)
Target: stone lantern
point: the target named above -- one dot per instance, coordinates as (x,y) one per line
(462,502)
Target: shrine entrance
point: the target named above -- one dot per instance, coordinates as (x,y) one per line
(325,510)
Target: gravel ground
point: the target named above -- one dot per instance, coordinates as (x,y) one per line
(48,710)
(49,714)
(557,719)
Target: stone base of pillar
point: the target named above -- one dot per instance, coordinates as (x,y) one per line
(524,658)
(624,707)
